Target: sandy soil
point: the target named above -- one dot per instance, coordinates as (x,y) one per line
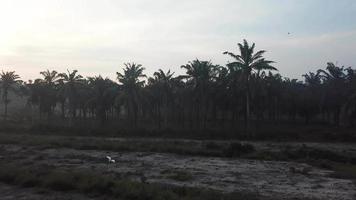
(269,179)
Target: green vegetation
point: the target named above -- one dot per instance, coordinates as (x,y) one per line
(343,171)
(182,147)
(178,175)
(237,149)
(8,81)
(247,98)
(92,183)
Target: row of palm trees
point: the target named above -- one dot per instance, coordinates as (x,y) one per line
(245,92)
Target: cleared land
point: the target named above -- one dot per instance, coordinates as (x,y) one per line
(268,171)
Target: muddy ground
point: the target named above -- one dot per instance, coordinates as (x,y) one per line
(271,179)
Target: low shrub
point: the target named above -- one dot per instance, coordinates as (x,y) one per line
(181,176)
(236,149)
(213,146)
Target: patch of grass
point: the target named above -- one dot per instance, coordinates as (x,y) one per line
(213,146)
(90,182)
(236,149)
(180,176)
(194,148)
(317,157)
(59,180)
(316,154)
(344,171)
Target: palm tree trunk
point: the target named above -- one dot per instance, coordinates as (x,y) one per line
(63,110)
(5,104)
(159,116)
(247,106)
(5,114)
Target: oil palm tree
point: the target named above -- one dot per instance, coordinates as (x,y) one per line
(161,87)
(70,82)
(131,80)
(335,93)
(312,96)
(50,77)
(200,75)
(48,85)
(8,82)
(249,62)
(102,93)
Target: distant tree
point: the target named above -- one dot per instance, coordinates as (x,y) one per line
(70,83)
(132,83)
(335,93)
(48,91)
(161,88)
(102,96)
(200,75)
(248,62)
(8,82)
(221,96)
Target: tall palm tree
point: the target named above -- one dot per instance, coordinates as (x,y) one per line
(249,62)
(70,82)
(161,86)
(335,93)
(311,97)
(102,96)
(48,98)
(50,77)
(8,81)
(132,83)
(200,75)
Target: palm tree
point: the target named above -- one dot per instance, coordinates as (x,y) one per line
(311,97)
(220,95)
(200,75)
(70,82)
(8,81)
(131,85)
(48,98)
(161,86)
(335,93)
(350,105)
(50,77)
(249,62)
(102,96)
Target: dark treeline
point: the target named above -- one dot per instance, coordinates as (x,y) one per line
(245,93)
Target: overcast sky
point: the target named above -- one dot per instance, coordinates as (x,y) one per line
(98,36)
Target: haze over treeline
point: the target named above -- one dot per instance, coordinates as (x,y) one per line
(246,93)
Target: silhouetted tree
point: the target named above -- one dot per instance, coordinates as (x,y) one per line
(161,89)
(200,75)
(248,62)
(132,85)
(8,82)
(70,83)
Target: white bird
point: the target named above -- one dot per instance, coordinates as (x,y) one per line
(110,160)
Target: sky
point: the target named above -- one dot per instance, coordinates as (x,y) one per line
(98,36)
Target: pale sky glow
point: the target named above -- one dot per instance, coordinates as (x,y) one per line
(98,36)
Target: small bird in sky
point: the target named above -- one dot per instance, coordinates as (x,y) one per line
(288,33)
